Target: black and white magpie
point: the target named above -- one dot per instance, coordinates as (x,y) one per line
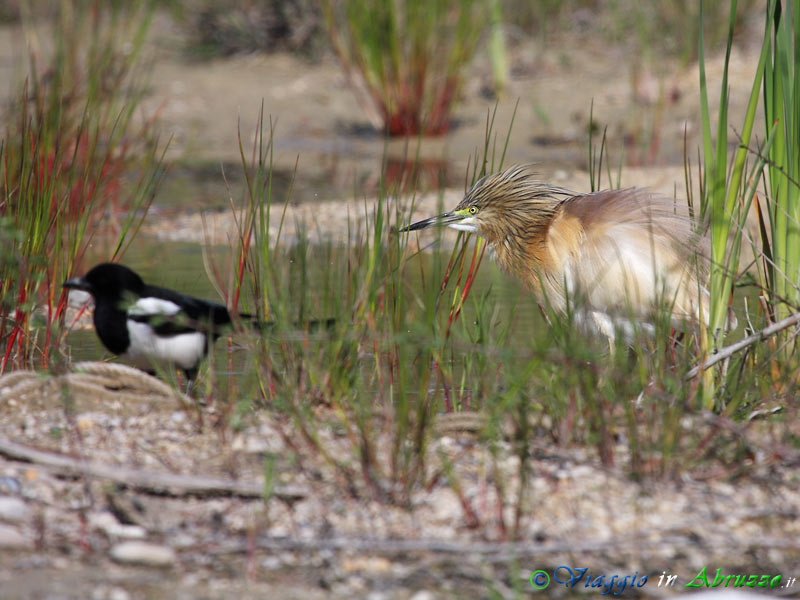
(151,326)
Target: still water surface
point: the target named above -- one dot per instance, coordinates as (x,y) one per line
(180,266)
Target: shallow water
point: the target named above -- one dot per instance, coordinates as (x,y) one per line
(180,266)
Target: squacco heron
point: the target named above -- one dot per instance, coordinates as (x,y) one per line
(613,256)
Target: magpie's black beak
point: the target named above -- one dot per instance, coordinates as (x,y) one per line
(77,283)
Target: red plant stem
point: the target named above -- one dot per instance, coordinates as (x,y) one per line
(79,314)
(447,272)
(473,272)
(471,275)
(9,347)
(501,521)
(448,403)
(45,358)
(244,252)
(3,321)
(17,335)
(450,316)
(439,122)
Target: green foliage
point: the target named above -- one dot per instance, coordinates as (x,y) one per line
(406,58)
(726,193)
(729,186)
(781,102)
(69,142)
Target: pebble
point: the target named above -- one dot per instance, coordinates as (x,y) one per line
(366,564)
(84,423)
(143,553)
(446,505)
(356,584)
(423,595)
(272,563)
(12,539)
(10,485)
(109,524)
(110,593)
(183,540)
(13,510)
(256,445)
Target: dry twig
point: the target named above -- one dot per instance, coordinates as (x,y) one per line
(154,482)
(758,336)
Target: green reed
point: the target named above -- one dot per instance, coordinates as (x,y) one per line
(781,102)
(71,155)
(406,59)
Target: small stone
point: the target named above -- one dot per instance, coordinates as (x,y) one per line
(118,593)
(143,553)
(446,505)
(12,539)
(13,510)
(109,524)
(356,584)
(10,485)
(423,595)
(84,423)
(256,445)
(271,563)
(183,540)
(366,564)
(110,593)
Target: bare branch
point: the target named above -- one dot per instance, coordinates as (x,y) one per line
(154,482)
(758,336)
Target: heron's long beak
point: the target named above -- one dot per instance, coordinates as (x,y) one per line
(456,220)
(77,283)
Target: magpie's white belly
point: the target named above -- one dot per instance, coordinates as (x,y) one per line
(184,350)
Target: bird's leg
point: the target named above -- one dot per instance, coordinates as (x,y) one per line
(604,325)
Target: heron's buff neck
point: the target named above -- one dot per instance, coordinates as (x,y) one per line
(520,242)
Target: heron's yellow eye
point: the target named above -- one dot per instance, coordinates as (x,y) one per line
(473,210)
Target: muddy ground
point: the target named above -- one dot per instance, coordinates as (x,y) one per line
(99,528)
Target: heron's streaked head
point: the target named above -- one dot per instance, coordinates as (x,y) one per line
(502,205)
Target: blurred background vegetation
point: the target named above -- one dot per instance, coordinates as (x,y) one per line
(385,46)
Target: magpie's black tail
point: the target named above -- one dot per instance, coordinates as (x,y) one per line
(311,324)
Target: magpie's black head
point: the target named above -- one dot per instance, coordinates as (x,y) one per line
(108,280)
